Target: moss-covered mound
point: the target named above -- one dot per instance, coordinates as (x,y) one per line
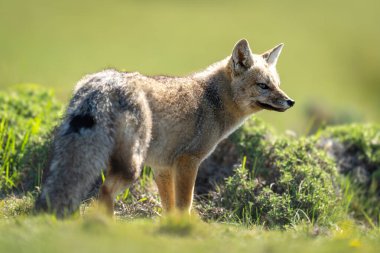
(282,181)
(285,179)
(356,152)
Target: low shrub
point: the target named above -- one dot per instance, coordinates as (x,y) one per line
(291,181)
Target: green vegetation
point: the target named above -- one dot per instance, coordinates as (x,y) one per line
(356,149)
(284,180)
(95,233)
(13,206)
(294,183)
(27,116)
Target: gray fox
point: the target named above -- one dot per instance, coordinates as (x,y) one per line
(118,121)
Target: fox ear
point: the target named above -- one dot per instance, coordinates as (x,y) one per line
(271,56)
(241,58)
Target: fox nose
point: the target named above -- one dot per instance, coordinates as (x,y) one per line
(290,102)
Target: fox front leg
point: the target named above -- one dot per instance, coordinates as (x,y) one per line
(185,175)
(165,183)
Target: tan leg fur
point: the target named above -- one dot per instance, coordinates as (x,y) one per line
(165,183)
(186,173)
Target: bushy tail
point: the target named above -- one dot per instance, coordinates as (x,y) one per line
(81,151)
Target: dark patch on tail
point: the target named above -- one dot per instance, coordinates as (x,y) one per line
(79,122)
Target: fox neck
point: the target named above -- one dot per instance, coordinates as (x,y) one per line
(218,78)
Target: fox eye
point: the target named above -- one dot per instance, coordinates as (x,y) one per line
(263,86)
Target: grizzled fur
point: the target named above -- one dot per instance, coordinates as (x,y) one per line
(119,121)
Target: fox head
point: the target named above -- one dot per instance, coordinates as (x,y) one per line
(255,83)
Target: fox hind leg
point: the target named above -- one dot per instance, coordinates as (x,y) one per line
(125,162)
(113,184)
(121,174)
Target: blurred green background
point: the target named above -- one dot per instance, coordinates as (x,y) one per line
(330,64)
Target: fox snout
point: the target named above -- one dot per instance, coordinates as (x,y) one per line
(284,104)
(275,100)
(280,101)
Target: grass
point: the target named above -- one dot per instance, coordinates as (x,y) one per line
(27,116)
(96,233)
